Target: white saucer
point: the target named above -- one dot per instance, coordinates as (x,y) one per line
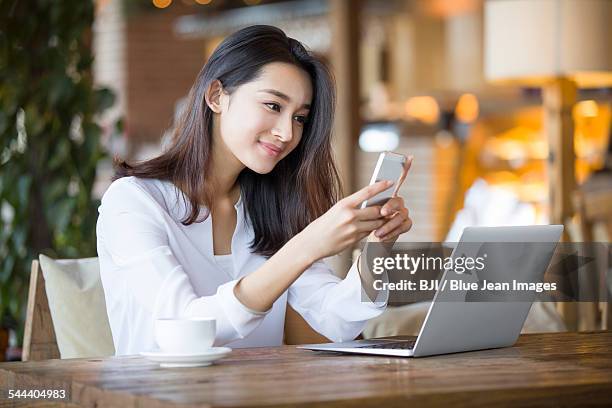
(202,359)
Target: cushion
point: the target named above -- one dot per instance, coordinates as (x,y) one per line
(78,309)
(407,320)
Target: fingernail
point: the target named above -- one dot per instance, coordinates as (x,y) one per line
(384,212)
(378,234)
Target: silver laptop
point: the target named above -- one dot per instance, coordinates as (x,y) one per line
(455,325)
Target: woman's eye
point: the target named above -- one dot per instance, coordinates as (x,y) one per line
(274,106)
(300,119)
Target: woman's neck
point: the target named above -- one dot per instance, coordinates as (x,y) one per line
(224,170)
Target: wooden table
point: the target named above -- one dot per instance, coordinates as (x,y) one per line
(541,369)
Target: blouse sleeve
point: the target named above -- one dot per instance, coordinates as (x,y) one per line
(336,308)
(136,240)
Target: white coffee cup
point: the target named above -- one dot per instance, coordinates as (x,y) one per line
(184,336)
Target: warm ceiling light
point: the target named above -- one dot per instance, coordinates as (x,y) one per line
(101,4)
(162,3)
(466,110)
(587,109)
(203,2)
(423,108)
(448,8)
(531,42)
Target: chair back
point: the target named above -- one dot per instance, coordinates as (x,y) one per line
(593,203)
(298,331)
(39,342)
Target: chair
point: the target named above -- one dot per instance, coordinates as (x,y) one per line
(298,331)
(593,203)
(66,311)
(40,342)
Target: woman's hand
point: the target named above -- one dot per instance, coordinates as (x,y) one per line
(345,223)
(397,221)
(396,214)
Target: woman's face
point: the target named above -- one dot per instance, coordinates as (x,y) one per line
(262,121)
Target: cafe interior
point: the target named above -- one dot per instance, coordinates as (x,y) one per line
(506,110)
(506,107)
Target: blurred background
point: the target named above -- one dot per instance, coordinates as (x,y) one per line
(505,106)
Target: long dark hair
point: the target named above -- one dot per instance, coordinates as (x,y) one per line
(300,188)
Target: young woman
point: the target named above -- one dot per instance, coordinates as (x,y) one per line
(234,219)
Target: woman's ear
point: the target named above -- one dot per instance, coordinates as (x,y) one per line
(214,96)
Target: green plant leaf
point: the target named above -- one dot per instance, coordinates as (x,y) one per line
(105,98)
(7,269)
(23,189)
(45,68)
(61,153)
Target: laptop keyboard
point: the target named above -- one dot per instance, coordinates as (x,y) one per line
(406,345)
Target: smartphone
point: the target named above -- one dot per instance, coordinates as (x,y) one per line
(390,166)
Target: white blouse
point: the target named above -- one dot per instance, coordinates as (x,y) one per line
(152,266)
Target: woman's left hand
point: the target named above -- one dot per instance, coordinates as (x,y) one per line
(397,223)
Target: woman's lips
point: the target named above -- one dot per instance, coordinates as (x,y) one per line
(270,149)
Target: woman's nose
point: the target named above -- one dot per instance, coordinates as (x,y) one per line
(284,130)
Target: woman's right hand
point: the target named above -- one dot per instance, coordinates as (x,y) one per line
(343,224)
